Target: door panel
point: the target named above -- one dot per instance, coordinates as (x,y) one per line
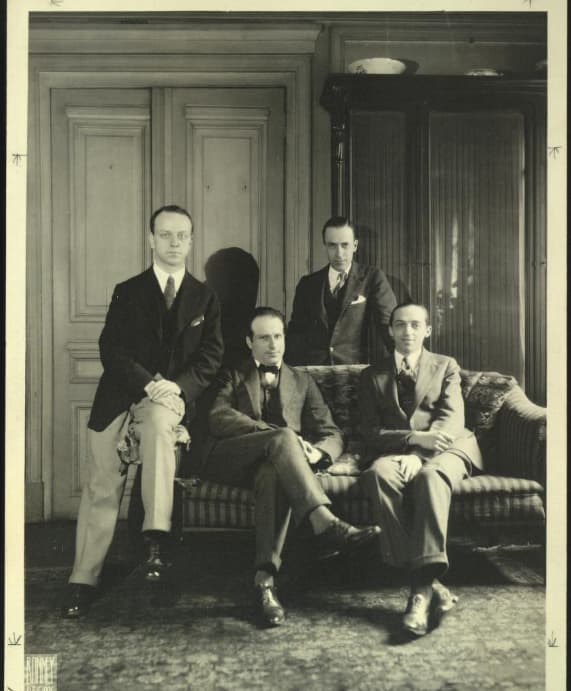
(100,207)
(226,165)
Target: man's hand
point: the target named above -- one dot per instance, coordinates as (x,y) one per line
(431,441)
(163,387)
(312,454)
(409,466)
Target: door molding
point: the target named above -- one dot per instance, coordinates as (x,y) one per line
(290,72)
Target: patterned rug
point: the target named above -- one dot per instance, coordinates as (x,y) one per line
(199,632)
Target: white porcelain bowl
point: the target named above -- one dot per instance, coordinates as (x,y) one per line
(377,66)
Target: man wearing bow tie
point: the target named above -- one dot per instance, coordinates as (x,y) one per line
(336,308)
(161,346)
(412,417)
(269,425)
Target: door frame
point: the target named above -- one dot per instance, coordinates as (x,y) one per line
(290,72)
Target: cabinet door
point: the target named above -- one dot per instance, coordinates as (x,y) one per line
(476,213)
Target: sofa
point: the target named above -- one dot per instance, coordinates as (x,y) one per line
(507,500)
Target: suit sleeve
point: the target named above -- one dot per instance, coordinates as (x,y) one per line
(317,423)
(116,346)
(449,410)
(202,365)
(378,439)
(382,302)
(224,419)
(298,327)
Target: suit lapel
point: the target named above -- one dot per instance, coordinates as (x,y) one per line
(150,297)
(187,303)
(287,389)
(323,286)
(426,370)
(388,384)
(252,384)
(354,282)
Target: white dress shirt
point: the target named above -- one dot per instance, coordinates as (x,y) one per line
(412,360)
(334,276)
(268,377)
(162,277)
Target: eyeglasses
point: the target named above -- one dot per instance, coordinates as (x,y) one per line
(181,237)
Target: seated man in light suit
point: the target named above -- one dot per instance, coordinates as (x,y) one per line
(269,424)
(161,346)
(336,308)
(412,415)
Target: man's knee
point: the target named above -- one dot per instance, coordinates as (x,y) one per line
(430,478)
(159,420)
(284,437)
(384,471)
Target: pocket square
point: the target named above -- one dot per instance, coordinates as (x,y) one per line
(359,299)
(197,321)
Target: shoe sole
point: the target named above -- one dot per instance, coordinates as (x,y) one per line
(415,632)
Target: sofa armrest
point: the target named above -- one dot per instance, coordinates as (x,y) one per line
(520,434)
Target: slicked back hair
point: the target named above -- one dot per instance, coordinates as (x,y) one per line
(265,312)
(173,209)
(410,303)
(338,222)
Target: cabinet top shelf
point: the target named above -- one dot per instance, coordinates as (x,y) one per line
(344,89)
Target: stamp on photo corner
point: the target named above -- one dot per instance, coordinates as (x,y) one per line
(40,673)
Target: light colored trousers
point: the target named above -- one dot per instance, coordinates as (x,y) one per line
(414,516)
(102,493)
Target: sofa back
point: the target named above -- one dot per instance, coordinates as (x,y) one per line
(483,392)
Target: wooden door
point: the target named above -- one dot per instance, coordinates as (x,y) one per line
(224,161)
(101,164)
(217,152)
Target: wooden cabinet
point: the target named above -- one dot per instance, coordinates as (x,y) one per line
(444,180)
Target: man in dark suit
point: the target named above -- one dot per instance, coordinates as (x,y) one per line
(269,425)
(335,308)
(160,348)
(412,415)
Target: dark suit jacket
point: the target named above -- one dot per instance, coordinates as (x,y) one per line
(129,344)
(237,408)
(367,304)
(438,406)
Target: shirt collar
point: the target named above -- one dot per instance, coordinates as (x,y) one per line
(412,359)
(333,274)
(162,277)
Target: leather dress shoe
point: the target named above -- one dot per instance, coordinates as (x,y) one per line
(342,537)
(157,561)
(269,607)
(78,599)
(415,620)
(442,600)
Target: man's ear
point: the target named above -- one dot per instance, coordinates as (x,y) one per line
(428,331)
(152,240)
(391,332)
(355,245)
(249,342)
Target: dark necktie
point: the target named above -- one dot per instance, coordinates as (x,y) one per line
(406,382)
(341,278)
(169,292)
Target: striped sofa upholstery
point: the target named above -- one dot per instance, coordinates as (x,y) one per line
(509,428)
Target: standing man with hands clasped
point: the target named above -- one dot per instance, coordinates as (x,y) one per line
(412,415)
(160,348)
(269,424)
(336,309)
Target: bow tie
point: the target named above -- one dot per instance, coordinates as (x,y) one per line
(269,368)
